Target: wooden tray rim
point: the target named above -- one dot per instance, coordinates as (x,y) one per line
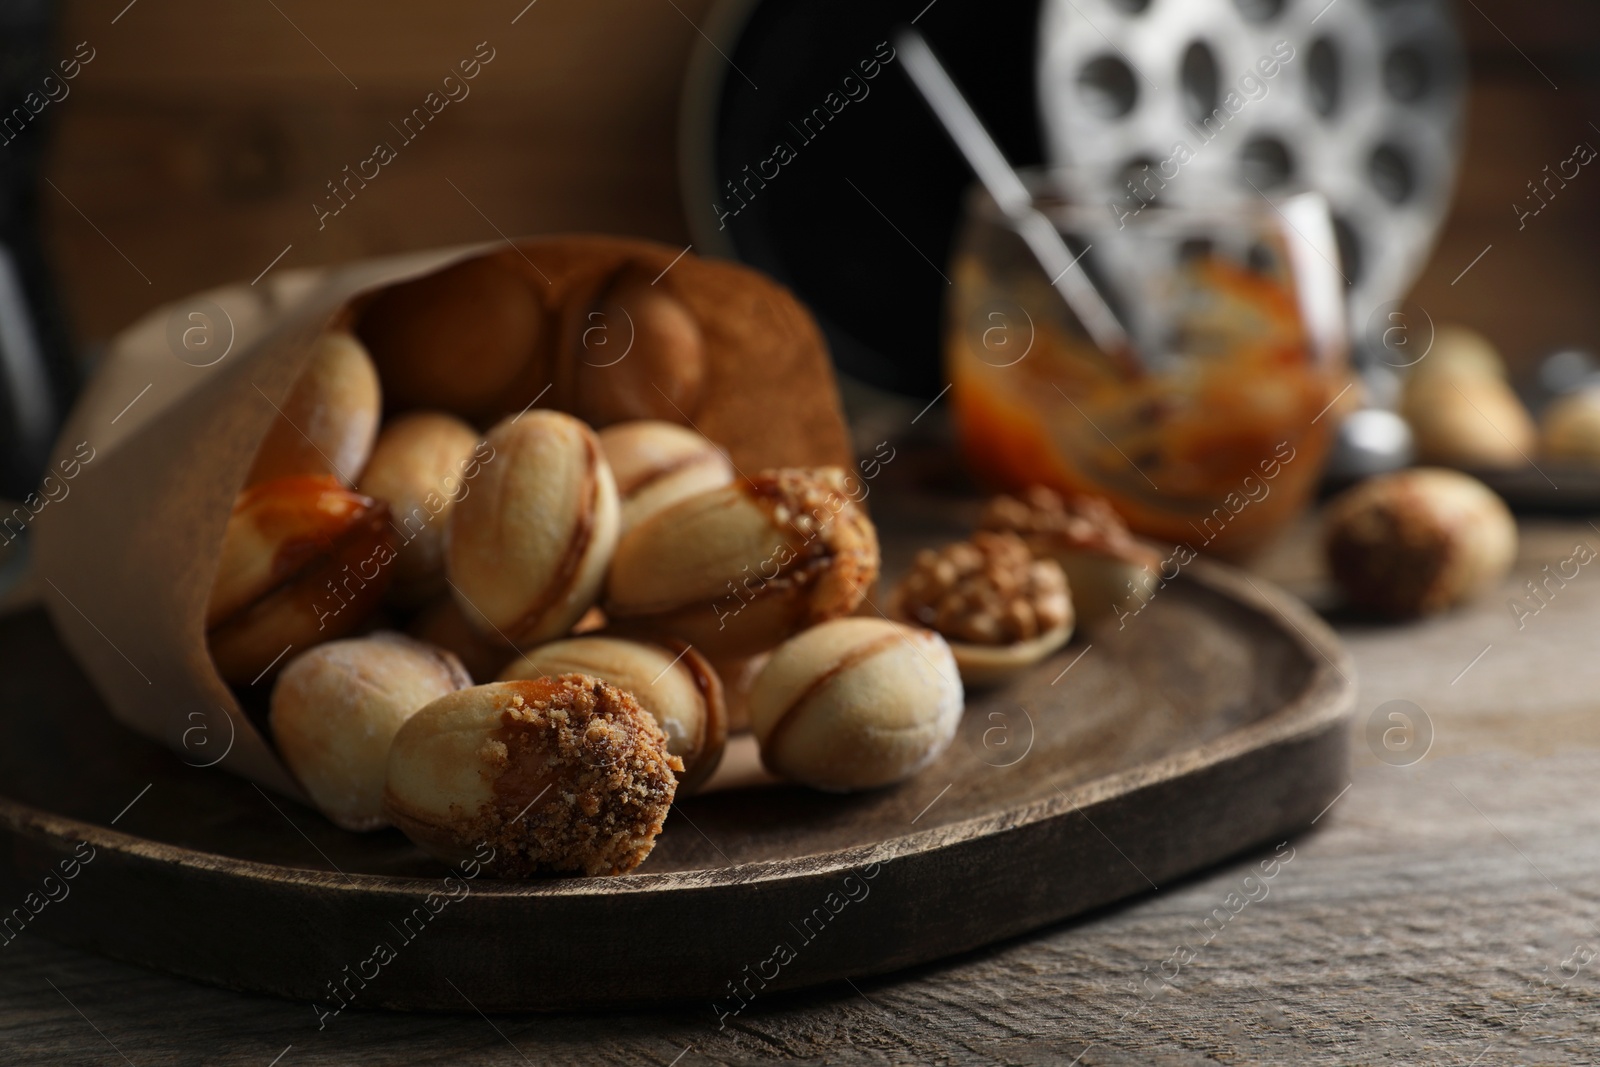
(1327,696)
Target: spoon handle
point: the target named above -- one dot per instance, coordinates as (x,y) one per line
(964,127)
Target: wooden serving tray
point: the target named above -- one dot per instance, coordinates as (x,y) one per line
(1212,723)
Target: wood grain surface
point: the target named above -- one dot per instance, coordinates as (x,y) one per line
(1213,724)
(1426,919)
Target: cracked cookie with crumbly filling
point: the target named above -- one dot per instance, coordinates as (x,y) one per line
(999,608)
(564,774)
(1418,541)
(1105,564)
(737,570)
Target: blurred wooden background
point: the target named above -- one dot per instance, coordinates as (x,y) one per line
(201,134)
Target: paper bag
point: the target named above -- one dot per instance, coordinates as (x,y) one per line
(161,442)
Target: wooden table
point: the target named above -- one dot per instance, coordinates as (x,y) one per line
(1442,912)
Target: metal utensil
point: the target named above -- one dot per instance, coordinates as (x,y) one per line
(1010,195)
(1363,102)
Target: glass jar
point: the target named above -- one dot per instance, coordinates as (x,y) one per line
(1213,428)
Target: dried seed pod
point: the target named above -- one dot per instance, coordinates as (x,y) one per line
(656,464)
(1418,541)
(554,774)
(638,354)
(455,339)
(303,561)
(1000,609)
(327,423)
(677,686)
(422,464)
(856,703)
(337,707)
(527,550)
(735,570)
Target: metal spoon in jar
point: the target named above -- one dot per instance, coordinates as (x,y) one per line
(964,128)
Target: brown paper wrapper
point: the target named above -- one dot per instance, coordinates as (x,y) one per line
(128,558)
